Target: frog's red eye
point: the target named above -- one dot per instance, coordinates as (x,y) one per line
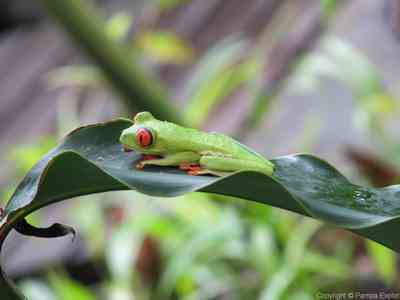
(144,137)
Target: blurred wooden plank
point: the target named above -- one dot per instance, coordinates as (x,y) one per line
(27,106)
(392,16)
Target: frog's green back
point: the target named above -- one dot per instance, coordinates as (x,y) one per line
(176,138)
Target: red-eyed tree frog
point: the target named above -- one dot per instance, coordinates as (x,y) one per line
(166,144)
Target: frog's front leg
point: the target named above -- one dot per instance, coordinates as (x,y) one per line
(219,165)
(174,159)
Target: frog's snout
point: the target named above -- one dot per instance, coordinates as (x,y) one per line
(124,141)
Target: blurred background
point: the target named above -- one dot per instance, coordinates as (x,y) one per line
(281,76)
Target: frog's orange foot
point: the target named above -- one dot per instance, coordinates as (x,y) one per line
(126,148)
(150,157)
(188,166)
(194,170)
(140,165)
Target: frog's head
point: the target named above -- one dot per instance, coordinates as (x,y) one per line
(141,136)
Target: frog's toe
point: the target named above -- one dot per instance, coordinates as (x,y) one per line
(150,157)
(194,169)
(201,171)
(187,166)
(140,165)
(126,148)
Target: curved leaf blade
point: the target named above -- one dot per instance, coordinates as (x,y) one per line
(91,160)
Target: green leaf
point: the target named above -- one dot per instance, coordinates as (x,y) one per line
(25,156)
(91,160)
(36,290)
(354,68)
(170,4)
(216,76)
(340,60)
(164,47)
(293,257)
(330,266)
(384,261)
(328,7)
(118,25)
(67,289)
(215,89)
(183,259)
(77,76)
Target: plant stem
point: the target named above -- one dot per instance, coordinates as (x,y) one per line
(139,90)
(8,289)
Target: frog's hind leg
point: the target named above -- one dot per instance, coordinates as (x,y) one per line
(228,164)
(170,160)
(151,157)
(202,171)
(197,169)
(188,166)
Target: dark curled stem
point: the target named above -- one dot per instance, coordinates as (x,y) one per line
(55,230)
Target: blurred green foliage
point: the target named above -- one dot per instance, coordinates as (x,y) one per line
(164,47)
(384,260)
(374,107)
(217,75)
(67,289)
(214,246)
(339,60)
(209,248)
(25,156)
